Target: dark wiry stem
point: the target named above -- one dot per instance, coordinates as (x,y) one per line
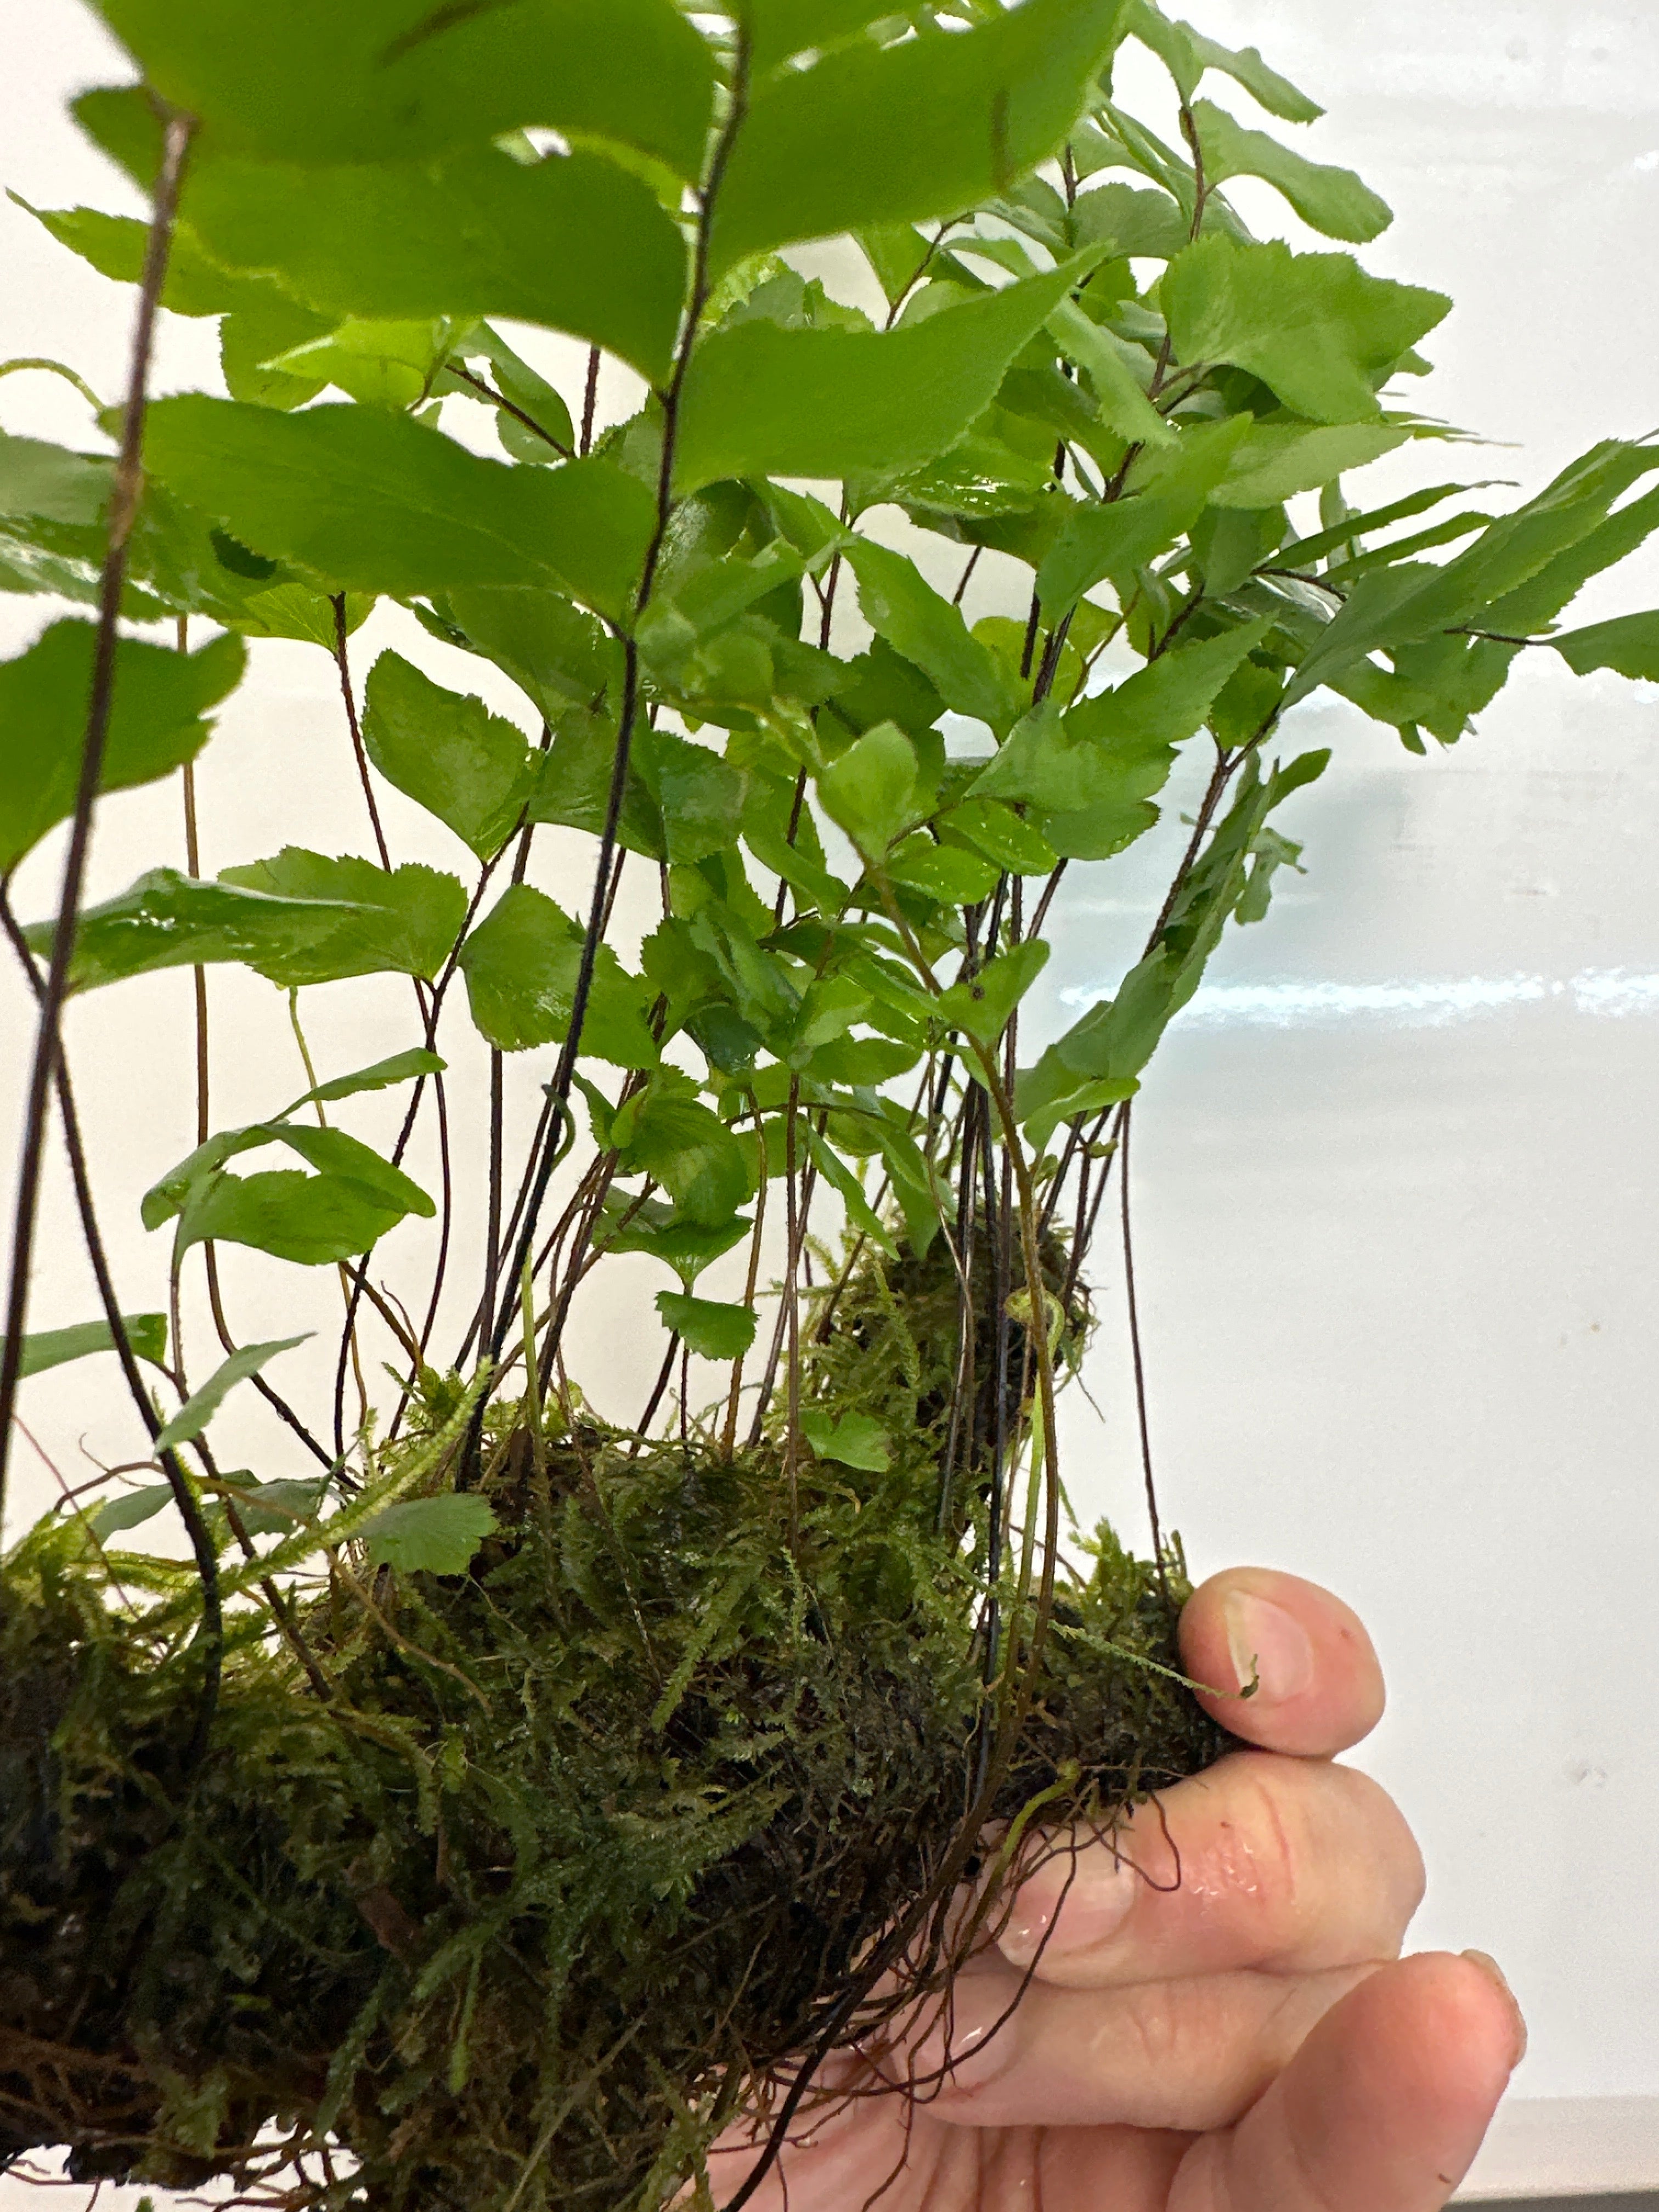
(1220,777)
(1134,1348)
(781,1327)
(124,507)
(486,391)
(343,662)
(1046,899)
(590,398)
(729,1434)
(642,1427)
(975,1125)
(431,1005)
(445,1217)
(198,975)
(559,1089)
(1086,1236)
(998,1209)
(184,1495)
(792,1310)
(1200,182)
(273,1398)
(493,1215)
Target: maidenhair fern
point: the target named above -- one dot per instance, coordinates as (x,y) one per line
(503,1792)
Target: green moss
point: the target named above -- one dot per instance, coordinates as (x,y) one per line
(582,1841)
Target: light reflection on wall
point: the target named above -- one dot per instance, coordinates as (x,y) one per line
(1614,993)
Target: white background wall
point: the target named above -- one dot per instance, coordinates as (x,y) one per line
(1397,1183)
(1398,1190)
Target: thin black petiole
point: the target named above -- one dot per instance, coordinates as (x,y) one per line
(1141,1416)
(486,391)
(551,1146)
(125,496)
(590,398)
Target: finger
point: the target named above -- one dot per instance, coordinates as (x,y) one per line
(1282,1865)
(843,2145)
(1383,2108)
(1319,1687)
(1188,2055)
(888,2150)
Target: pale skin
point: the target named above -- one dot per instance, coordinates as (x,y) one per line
(1246,2039)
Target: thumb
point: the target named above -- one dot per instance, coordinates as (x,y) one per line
(1317,1688)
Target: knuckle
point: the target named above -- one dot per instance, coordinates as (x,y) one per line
(1266,1838)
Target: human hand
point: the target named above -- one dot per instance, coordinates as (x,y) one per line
(1244,2039)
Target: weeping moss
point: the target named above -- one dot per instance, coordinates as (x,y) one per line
(582,1848)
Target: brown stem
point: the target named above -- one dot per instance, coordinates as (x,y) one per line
(728,1441)
(486,391)
(184,1497)
(597,1185)
(193,865)
(492,1214)
(431,1005)
(792,1310)
(292,1632)
(1086,1234)
(445,1217)
(497,1065)
(962,1398)
(590,398)
(1200,182)
(895,307)
(210,1255)
(997,1226)
(1046,899)
(126,493)
(1201,195)
(1219,776)
(604,889)
(281,1611)
(779,1330)
(1015,1166)
(642,1427)
(1135,1348)
(1324,584)
(273,1398)
(396,1322)
(1189,608)
(1048,668)
(343,662)
(1029,648)
(480,1324)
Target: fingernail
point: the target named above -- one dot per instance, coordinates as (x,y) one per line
(1490,1968)
(1267,1646)
(1072,1904)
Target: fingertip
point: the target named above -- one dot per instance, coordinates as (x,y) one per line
(1317,1685)
(1411,2066)
(1386,2103)
(1493,1975)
